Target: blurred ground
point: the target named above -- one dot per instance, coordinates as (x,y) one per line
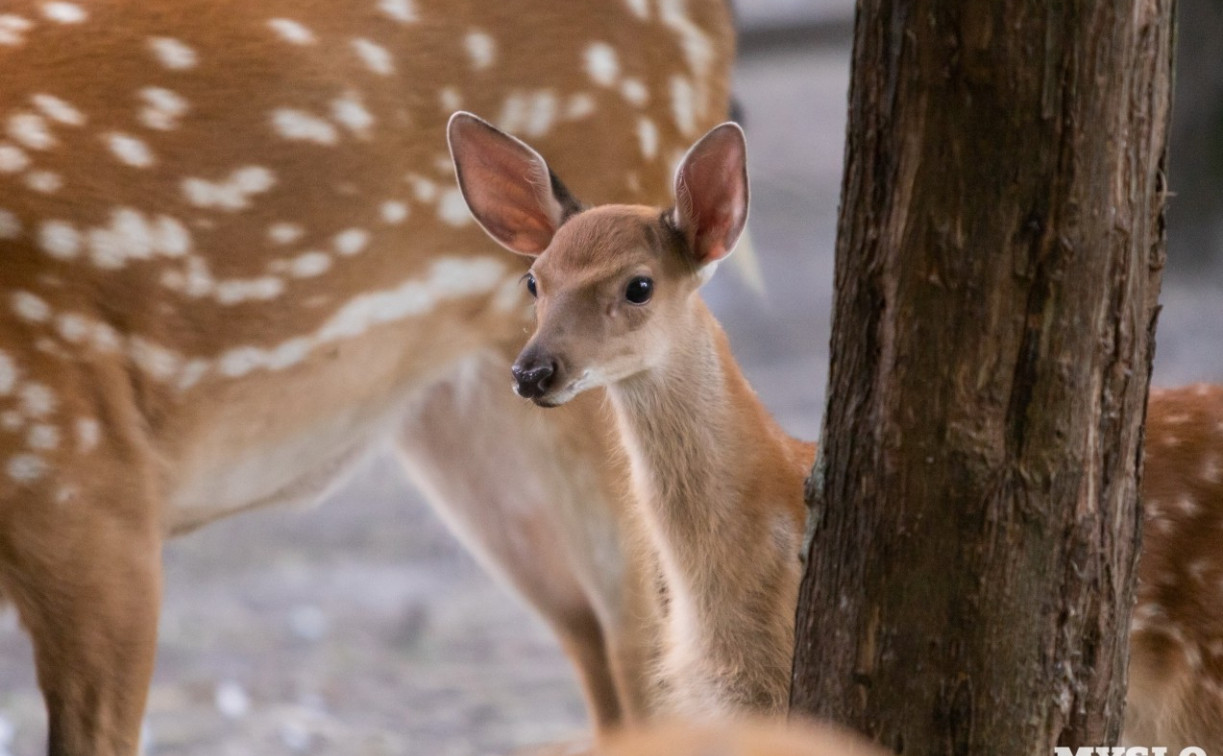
(362,628)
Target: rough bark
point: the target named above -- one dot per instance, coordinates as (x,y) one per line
(974,505)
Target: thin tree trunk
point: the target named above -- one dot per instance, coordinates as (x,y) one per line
(974,505)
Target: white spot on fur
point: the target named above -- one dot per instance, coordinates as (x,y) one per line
(529,113)
(158,362)
(285,233)
(541,113)
(375,57)
(450,99)
(30,130)
(72,327)
(58,110)
(64,13)
(647,134)
(173,54)
(513,112)
(481,49)
(132,236)
(10,226)
(11,420)
(36,400)
(45,182)
(238,290)
(13,29)
(697,48)
(1188,506)
(393,212)
(234,192)
(301,126)
(639,8)
(683,104)
(30,307)
(448,278)
(292,31)
(163,108)
(348,111)
(602,63)
(12,158)
(59,239)
(129,150)
(309,264)
(8,374)
(191,373)
(351,241)
(452,208)
(239,362)
(1212,471)
(42,437)
(49,346)
(422,188)
(581,105)
(170,237)
(402,11)
(104,338)
(634,90)
(26,468)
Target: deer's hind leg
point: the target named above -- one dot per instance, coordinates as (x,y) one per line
(538,498)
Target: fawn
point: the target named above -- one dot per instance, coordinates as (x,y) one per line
(719,484)
(233,257)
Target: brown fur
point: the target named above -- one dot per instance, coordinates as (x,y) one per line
(142,403)
(718,483)
(1176,635)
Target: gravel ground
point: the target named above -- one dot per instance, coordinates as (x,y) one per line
(360,627)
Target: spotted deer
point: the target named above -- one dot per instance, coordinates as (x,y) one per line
(233,257)
(1176,633)
(719,484)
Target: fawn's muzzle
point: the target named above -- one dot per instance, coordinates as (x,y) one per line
(533,378)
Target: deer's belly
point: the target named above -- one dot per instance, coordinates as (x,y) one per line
(291,437)
(299,469)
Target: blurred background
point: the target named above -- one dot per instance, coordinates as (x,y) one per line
(361,627)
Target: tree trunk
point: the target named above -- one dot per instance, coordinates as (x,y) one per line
(974,505)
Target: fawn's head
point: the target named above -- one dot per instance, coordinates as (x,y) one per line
(614,285)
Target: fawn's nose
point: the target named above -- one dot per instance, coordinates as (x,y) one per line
(533,379)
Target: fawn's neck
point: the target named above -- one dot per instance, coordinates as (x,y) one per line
(696,431)
(720,485)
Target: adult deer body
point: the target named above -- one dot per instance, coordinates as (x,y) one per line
(233,258)
(1176,635)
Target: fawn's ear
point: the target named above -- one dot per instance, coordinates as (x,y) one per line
(507,185)
(711,194)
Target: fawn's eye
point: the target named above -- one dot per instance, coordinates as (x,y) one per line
(639,290)
(531,284)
